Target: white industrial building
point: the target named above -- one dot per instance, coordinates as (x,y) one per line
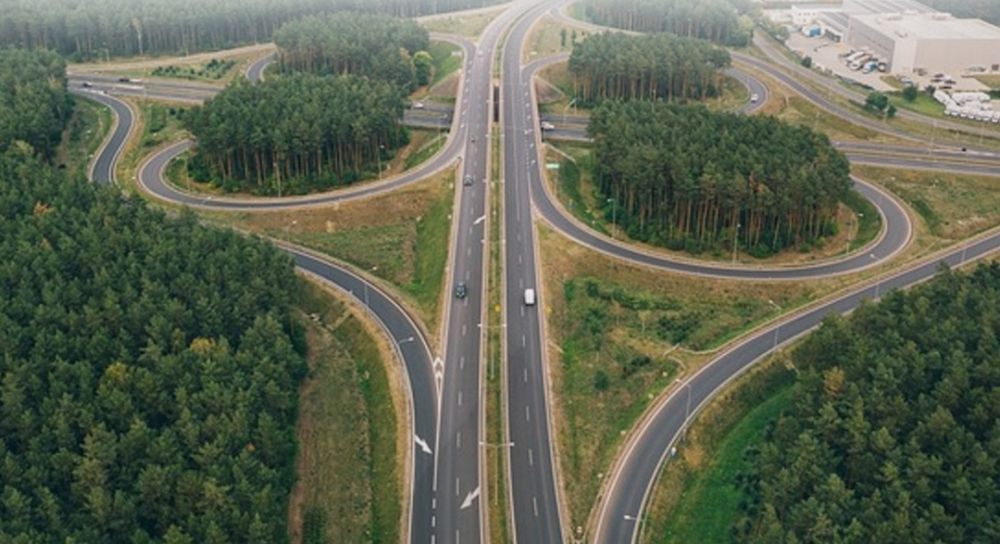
(925,41)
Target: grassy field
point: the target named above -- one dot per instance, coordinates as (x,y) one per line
(697,498)
(212,71)
(349,460)
(429,147)
(86,130)
(405,243)
(991,81)
(156,125)
(470,26)
(550,36)
(953,206)
(619,335)
(447,60)
(573,184)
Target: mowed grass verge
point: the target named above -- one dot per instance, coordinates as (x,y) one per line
(698,496)
(401,237)
(469,26)
(619,335)
(349,460)
(88,127)
(953,206)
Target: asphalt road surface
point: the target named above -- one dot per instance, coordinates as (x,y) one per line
(531,471)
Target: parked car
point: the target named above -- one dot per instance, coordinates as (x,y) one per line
(418,105)
(754,98)
(86,84)
(547,125)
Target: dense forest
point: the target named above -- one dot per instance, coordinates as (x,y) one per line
(893,434)
(988,10)
(655,66)
(686,177)
(149,377)
(295,133)
(353,43)
(34,104)
(98,28)
(715,20)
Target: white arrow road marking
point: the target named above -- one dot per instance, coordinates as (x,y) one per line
(423,444)
(439,373)
(469,498)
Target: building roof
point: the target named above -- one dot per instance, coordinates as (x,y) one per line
(860,7)
(930,26)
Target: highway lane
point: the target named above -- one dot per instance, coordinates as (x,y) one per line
(255,72)
(408,338)
(102,166)
(534,491)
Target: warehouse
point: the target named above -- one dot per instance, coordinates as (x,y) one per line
(925,42)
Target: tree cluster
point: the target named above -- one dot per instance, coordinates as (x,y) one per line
(34,104)
(96,28)
(295,133)
(654,66)
(374,45)
(893,434)
(715,20)
(879,103)
(149,371)
(687,177)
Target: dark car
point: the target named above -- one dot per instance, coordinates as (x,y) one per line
(124,80)
(460,290)
(86,84)
(467,180)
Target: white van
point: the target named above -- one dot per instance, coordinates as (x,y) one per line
(529,297)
